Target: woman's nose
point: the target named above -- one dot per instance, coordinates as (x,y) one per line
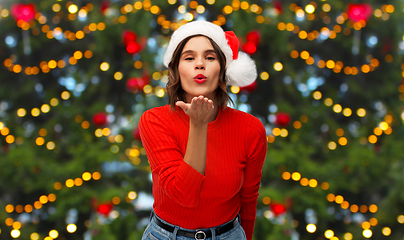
(199,64)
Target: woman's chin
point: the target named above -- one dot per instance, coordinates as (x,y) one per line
(201,93)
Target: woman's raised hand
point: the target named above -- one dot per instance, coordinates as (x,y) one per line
(200,110)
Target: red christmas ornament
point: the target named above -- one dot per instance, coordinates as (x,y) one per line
(249,88)
(277,209)
(278,6)
(135,84)
(105,208)
(249,48)
(146,78)
(254,37)
(93,203)
(25,12)
(136,133)
(282,119)
(36,169)
(100,119)
(386,47)
(5,148)
(128,37)
(142,42)
(358,12)
(133,48)
(104,6)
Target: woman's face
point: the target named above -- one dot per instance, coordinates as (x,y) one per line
(199,69)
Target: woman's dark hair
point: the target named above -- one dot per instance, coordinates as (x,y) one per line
(174,89)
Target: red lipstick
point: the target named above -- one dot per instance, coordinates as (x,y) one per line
(200,78)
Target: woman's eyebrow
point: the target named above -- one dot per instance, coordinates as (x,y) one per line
(192,51)
(210,51)
(186,52)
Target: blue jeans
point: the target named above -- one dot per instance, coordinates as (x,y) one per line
(155,232)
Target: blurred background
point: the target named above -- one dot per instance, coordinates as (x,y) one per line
(77,75)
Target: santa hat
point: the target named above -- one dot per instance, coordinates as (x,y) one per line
(240,68)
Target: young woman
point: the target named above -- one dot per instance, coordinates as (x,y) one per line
(206,158)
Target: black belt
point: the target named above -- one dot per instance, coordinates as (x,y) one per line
(197,234)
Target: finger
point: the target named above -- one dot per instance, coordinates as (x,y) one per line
(182,105)
(206,103)
(199,102)
(194,102)
(179,103)
(201,99)
(210,104)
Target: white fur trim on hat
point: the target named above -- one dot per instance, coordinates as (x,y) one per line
(239,72)
(242,71)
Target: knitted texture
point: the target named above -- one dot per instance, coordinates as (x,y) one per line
(236,150)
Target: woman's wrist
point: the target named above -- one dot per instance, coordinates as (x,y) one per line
(200,126)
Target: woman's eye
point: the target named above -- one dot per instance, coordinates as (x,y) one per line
(189,58)
(210,58)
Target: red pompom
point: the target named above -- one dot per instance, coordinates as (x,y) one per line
(282,119)
(25,12)
(358,12)
(100,119)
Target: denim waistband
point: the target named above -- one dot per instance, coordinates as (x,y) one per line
(201,233)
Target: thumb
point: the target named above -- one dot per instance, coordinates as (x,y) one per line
(182,105)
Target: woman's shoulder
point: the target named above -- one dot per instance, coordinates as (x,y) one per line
(245,121)
(159,111)
(156,113)
(240,115)
(164,114)
(162,110)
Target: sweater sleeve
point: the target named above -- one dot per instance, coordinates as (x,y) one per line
(179,180)
(256,146)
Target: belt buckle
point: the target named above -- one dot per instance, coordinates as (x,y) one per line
(198,233)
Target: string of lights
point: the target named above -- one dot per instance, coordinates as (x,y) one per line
(44,199)
(344,204)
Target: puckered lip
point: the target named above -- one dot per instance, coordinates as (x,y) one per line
(200,78)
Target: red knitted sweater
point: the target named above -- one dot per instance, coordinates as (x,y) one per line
(236,150)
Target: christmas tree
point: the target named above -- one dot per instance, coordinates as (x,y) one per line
(77,75)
